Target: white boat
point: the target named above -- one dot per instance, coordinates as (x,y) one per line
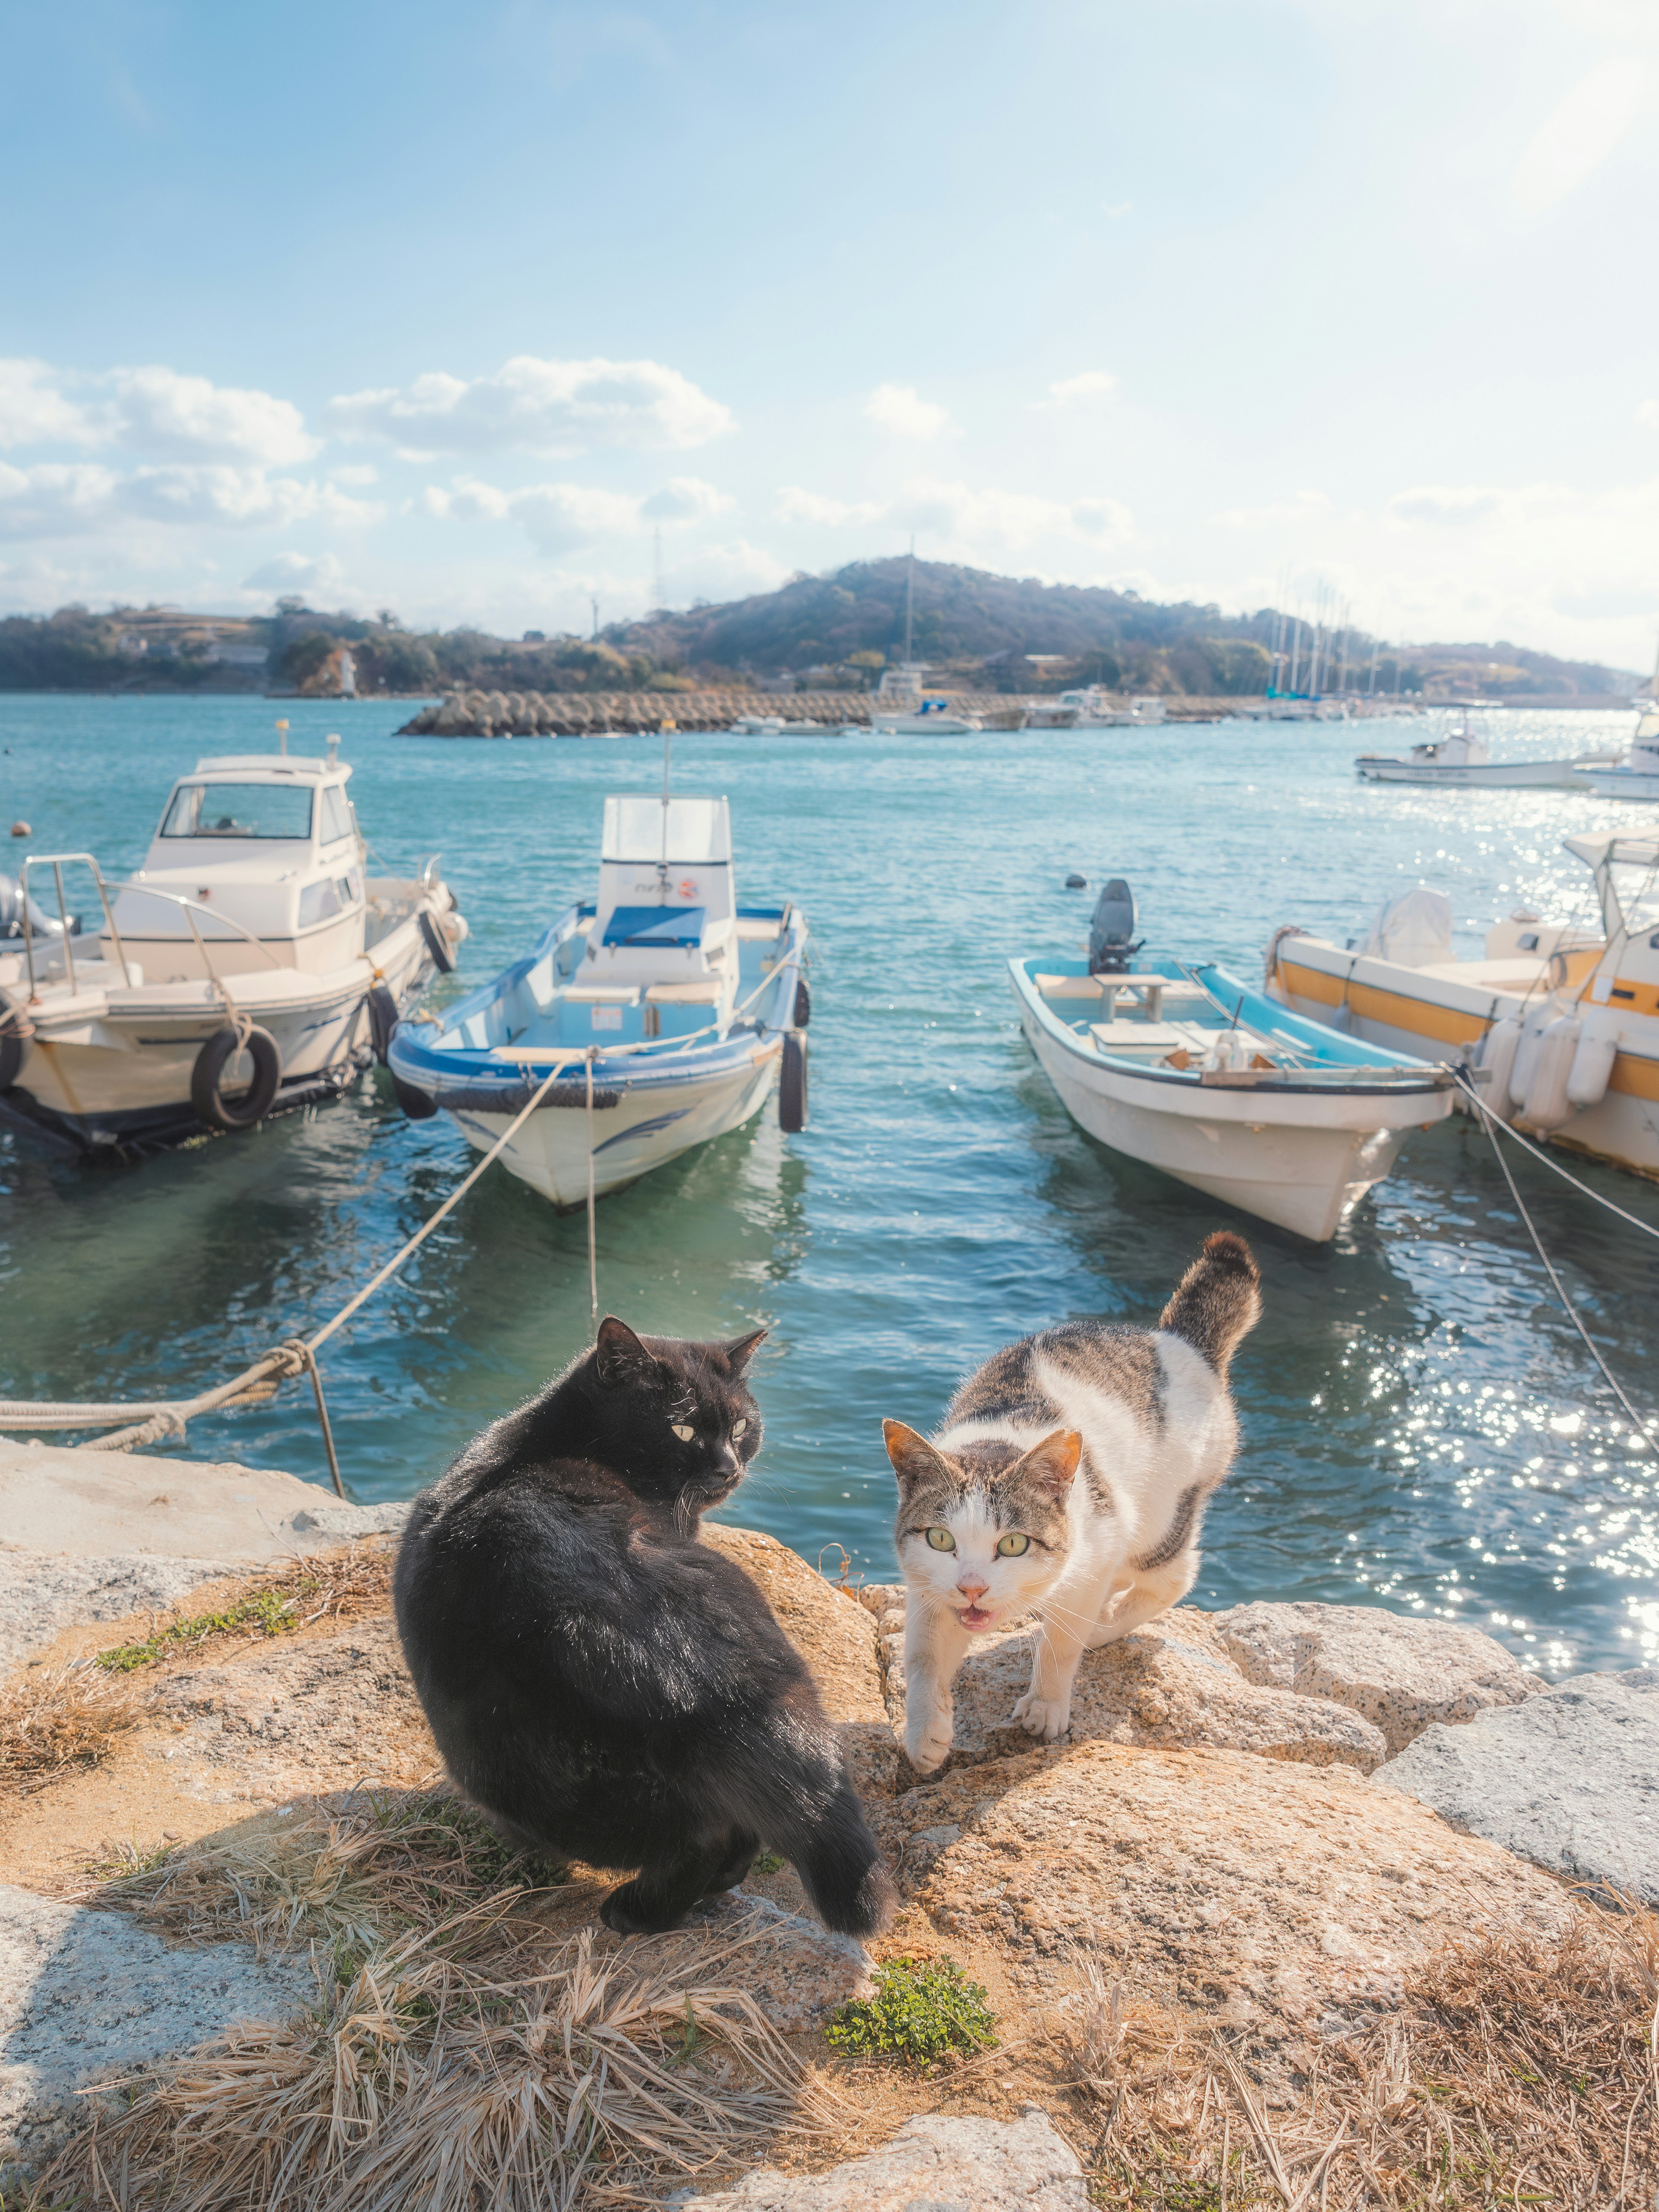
(1195,1074)
(1559,1024)
(1633,775)
(1462,757)
(759,726)
(249,965)
(1095,708)
(663,1012)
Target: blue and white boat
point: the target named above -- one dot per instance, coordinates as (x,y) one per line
(1186,1067)
(664,1011)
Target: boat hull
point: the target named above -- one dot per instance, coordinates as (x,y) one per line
(1406,1010)
(1300,1159)
(1500,776)
(638,1125)
(113,1066)
(1623,783)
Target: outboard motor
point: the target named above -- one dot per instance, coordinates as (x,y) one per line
(21,917)
(1112,939)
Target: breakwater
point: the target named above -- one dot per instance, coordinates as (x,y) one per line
(477,714)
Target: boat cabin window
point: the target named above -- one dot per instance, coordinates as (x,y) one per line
(319,901)
(336,815)
(238,810)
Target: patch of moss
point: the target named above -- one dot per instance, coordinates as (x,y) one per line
(769,1863)
(270,1612)
(922,2010)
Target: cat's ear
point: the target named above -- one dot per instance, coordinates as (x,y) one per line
(737,1352)
(914,1458)
(1049,1467)
(618,1355)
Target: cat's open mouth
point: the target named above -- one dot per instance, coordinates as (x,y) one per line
(975,1616)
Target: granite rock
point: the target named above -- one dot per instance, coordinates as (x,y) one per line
(42,1593)
(797,1971)
(1267,1893)
(938,2162)
(85,1997)
(1569,1779)
(1173,1682)
(1400,1673)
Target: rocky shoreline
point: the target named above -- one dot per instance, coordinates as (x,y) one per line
(1266,1826)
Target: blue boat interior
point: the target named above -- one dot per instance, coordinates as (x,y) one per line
(1180,1017)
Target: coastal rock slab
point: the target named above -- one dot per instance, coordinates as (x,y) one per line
(42,1593)
(797,1971)
(838,1638)
(1171,1683)
(85,1997)
(1264,1892)
(940,2162)
(284,1719)
(1569,1779)
(1400,1672)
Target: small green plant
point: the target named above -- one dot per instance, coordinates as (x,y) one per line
(923,2009)
(769,1863)
(270,1612)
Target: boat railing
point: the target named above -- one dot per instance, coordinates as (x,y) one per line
(190,907)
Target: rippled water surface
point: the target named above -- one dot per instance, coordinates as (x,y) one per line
(1421,1424)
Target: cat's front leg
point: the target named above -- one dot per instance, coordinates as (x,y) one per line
(1046,1707)
(934,1644)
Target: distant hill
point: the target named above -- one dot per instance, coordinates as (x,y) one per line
(973,629)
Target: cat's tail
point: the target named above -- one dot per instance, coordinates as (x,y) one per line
(1218,1301)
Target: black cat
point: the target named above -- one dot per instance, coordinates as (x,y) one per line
(604,1685)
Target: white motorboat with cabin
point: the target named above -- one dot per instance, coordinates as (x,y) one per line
(647,1020)
(1634,773)
(249,965)
(1463,756)
(1559,1024)
(1187,1069)
(1095,708)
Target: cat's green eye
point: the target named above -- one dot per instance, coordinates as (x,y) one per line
(738,1429)
(941,1540)
(683,1433)
(1010,1548)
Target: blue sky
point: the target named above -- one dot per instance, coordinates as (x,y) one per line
(452,310)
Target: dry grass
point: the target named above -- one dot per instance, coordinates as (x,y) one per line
(343,1585)
(450,2061)
(1517,2070)
(56,1721)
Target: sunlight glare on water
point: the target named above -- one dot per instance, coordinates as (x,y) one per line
(1421,1426)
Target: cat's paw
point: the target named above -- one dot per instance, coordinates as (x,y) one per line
(1048,1717)
(928,1745)
(630,1913)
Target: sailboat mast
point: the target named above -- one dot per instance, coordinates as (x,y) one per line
(909,600)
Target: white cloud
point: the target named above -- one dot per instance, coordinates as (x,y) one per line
(537,407)
(685,499)
(357,476)
(56,499)
(1093,383)
(155,412)
(313,574)
(901,408)
(726,572)
(961,518)
(795,505)
(1457,505)
(1579,133)
(1308,505)
(1648,414)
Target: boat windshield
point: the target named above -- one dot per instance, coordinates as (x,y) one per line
(238,810)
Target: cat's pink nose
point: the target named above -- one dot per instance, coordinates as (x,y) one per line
(972,1587)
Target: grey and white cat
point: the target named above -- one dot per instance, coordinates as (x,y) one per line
(992,1522)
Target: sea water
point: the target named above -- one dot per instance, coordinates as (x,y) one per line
(1422,1427)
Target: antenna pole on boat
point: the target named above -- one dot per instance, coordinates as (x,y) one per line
(282,737)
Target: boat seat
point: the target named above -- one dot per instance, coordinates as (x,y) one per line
(1138,1036)
(602,994)
(751,932)
(1068,987)
(683,994)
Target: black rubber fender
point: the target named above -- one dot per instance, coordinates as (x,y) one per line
(382,1020)
(418,1105)
(212,1108)
(791,1085)
(803,1003)
(443,951)
(15,1033)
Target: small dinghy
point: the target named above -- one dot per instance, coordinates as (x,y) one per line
(663,1010)
(1194,1073)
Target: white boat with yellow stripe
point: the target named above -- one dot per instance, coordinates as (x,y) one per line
(1189,1070)
(1559,1023)
(644,1022)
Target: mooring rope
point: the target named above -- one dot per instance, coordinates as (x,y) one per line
(1495,1122)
